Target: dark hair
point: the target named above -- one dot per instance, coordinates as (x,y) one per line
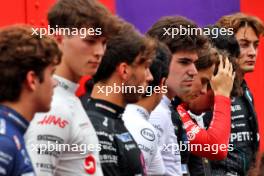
(160,65)
(239,20)
(188,42)
(207,60)
(83,13)
(228,46)
(21,52)
(224,42)
(124,47)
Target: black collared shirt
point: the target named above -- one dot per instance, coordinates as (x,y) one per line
(119,153)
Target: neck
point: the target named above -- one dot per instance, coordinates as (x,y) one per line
(24,109)
(64,71)
(112,97)
(243,75)
(148,103)
(170,95)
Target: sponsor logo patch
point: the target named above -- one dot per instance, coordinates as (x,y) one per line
(53,120)
(89,164)
(148,134)
(125,137)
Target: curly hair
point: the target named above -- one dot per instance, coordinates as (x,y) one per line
(238,20)
(22,51)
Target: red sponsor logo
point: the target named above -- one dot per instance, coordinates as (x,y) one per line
(89,164)
(53,120)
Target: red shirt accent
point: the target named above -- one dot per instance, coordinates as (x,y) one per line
(81,89)
(215,139)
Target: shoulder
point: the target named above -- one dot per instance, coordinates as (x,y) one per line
(63,107)
(8,149)
(7,143)
(160,116)
(161,110)
(57,121)
(8,152)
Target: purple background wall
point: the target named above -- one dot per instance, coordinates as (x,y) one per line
(143,13)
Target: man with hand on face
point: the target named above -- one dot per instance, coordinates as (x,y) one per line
(64,140)
(136,115)
(184,49)
(244,128)
(228,45)
(121,78)
(27,64)
(215,138)
(194,139)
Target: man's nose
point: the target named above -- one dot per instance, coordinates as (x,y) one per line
(149,76)
(192,70)
(252,51)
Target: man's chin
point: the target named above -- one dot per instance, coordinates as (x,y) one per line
(90,72)
(248,69)
(185,91)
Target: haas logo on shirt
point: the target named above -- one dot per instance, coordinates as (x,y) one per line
(53,120)
(89,164)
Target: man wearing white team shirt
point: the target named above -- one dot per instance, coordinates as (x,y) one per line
(63,141)
(185,50)
(136,116)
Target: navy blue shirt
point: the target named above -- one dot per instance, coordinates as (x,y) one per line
(14,159)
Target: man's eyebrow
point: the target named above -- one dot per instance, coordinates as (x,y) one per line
(248,41)
(185,58)
(243,40)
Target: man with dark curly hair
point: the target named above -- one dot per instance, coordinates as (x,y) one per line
(27,64)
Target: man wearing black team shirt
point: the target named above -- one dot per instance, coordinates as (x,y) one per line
(125,70)
(244,128)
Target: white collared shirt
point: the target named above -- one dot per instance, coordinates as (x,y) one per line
(160,118)
(136,121)
(66,124)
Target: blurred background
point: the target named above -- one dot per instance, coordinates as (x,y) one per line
(143,13)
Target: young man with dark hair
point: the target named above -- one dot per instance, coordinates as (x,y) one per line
(121,79)
(226,45)
(244,129)
(212,142)
(27,64)
(63,141)
(136,115)
(185,50)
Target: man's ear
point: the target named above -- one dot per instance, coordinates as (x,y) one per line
(124,70)
(31,81)
(58,38)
